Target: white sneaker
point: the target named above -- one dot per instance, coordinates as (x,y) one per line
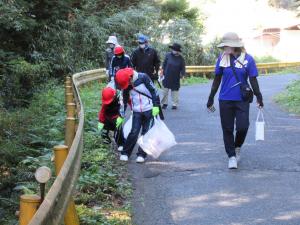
(120,148)
(232,163)
(124,158)
(140,159)
(238,154)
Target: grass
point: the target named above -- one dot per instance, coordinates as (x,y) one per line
(190,80)
(27,137)
(103,189)
(290,98)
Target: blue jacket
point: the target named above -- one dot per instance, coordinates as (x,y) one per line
(119,63)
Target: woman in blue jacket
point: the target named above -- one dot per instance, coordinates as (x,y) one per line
(234,67)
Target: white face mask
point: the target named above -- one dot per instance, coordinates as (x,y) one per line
(142,46)
(228,50)
(175,52)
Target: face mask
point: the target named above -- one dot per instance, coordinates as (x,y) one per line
(142,46)
(228,50)
(111,45)
(175,52)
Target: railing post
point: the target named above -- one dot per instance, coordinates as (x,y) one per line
(71,108)
(28,206)
(61,153)
(69,131)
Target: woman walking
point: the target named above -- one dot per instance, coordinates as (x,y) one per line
(173,70)
(234,67)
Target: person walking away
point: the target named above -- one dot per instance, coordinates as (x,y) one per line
(109,52)
(234,68)
(119,61)
(110,118)
(145,59)
(145,105)
(173,70)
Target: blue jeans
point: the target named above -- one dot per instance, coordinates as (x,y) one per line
(140,120)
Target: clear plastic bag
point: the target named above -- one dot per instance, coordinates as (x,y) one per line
(158,139)
(260,127)
(127,127)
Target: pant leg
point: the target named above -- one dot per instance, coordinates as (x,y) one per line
(165,98)
(242,122)
(119,136)
(227,114)
(175,97)
(133,135)
(147,123)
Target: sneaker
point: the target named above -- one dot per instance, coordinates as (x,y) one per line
(124,158)
(164,106)
(140,159)
(232,163)
(174,107)
(120,148)
(238,153)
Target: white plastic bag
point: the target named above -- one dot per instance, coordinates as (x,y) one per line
(127,127)
(158,139)
(260,127)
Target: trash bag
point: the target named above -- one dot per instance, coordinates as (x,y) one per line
(260,127)
(158,139)
(127,127)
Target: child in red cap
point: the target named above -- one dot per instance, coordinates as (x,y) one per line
(110,118)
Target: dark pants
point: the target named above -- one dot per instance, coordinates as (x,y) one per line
(140,120)
(234,113)
(110,125)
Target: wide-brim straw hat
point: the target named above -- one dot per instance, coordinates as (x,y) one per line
(231,39)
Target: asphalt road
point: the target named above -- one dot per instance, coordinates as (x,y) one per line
(190,183)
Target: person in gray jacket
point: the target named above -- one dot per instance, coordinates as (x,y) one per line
(112,42)
(173,70)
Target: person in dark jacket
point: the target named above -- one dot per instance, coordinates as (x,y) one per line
(119,61)
(173,70)
(109,52)
(145,59)
(145,105)
(110,118)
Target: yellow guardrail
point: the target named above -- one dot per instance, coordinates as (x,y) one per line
(53,208)
(264,67)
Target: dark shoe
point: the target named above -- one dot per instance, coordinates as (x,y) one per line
(174,107)
(164,106)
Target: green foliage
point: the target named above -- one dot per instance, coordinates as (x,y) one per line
(178,9)
(27,137)
(290,99)
(103,181)
(194,80)
(266,59)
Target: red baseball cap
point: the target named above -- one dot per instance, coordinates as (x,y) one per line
(123,77)
(118,50)
(108,95)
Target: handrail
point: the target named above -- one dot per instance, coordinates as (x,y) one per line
(52,210)
(260,66)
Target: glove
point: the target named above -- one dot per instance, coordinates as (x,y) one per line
(100,126)
(155,111)
(260,103)
(210,102)
(119,121)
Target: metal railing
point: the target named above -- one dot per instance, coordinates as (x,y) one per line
(53,208)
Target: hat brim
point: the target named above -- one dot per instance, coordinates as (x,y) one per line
(231,44)
(175,49)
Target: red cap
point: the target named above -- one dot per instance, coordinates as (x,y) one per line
(123,77)
(108,95)
(119,50)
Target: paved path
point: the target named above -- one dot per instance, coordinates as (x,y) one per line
(191,185)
